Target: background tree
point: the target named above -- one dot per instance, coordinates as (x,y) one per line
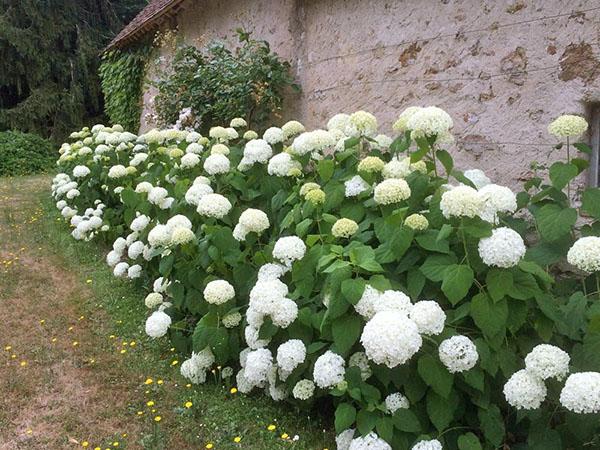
(50,53)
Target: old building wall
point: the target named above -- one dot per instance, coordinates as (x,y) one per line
(502,69)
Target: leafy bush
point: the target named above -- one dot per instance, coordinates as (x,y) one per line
(122,73)
(219,84)
(343,266)
(24,153)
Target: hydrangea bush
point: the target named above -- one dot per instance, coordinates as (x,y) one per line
(433,308)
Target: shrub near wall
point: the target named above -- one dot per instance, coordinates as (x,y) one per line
(24,153)
(347,266)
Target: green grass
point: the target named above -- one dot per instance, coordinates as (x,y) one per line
(217,416)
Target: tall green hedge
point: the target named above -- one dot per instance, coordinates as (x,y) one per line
(24,153)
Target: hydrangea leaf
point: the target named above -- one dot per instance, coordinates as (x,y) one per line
(458,279)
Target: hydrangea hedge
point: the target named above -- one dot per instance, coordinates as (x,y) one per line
(430,306)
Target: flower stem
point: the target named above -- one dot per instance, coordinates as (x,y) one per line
(568,162)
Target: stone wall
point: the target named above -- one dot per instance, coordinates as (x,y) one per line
(502,69)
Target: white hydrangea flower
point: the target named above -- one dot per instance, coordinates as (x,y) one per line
(371,442)
(390,191)
(251,336)
(290,355)
(134,271)
(585,254)
(548,361)
(313,142)
(477,177)
(220,133)
(504,248)
(189,160)
(157,195)
(281,164)
(497,199)
(417,222)
(73,193)
(329,370)
(360,360)
(143,187)
(383,141)
(112,258)
(139,223)
(524,390)
(390,338)
(257,151)
(271,271)
(292,128)
(135,249)
(273,135)
(153,299)
(253,221)
(118,171)
(159,236)
(250,134)
(339,122)
(158,324)
(160,285)
(238,122)
(366,304)
(355,186)
(81,171)
(396,401)
(343,440)
(289,249)
(461,201)
(194,149)
(429,121)
(361,123)
(303,389)
(258,364)
(432,444)
(285,313)
(218,292)
(344,228)
(217,164)
(458,354)
(400,125)
(581,393)
(568,125)
(214,205)
(181,235)
(396,168)
(428,316)
(391,300)
(195,193)
(231,320)
(194,369)
(138,159)
(120,269)
(219,149)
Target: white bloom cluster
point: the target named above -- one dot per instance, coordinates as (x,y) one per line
(371,442)
(250,221)
(118,171)
(189,160)
(497,199)
(314,142)
(373,301)
(290,355)
(216,164)
(273,135)
(214,205)
(432,444)
(139,223)
(390,338)
(581,393)
(461,201)
(153,299)
(218,292)
(289,249)
(259,363)
(256,151)
(477,177)
(548,361)
(400,125)
(458,354)
(585,254)
(292,128)
(194,368)
(568,125)
(238,122)
(392,190)
(81,171)
(158,324)
(303,389)
(159,196)
(355,186)
(344,228)
(396,401)
(524,390)
(429,121)
(504,248)
(329,370)
(428,316)
(282,165)
(195,193)
(194,148)
(400,168)
(361,123)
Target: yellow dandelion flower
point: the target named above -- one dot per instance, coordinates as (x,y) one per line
(13,356)
(88,281)
(140,413)
(115,444)
(237,439)
(285,436)
(112,336)
(157,419)
(70,328)
(160,382)
(132,344)
(209,445)
(188,405)
(174,362)
(124,435)
(85,444)
(271,427)
(150,403)
(189,385)
(123,351)
(42,322)
(233,390)
(172,349)
(75,343)
(8,348)
(23,363)
(29,431)
(54,339)
(149,381)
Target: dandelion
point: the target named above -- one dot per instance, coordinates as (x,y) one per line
(271,427)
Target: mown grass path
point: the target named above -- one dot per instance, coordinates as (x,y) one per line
(77,371)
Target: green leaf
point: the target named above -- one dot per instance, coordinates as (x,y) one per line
(458,279)
(435,266)
(499,282)
(353,289)
(435,375)
(469,441)
(492,424)
(346,331)
(385,428)
(490,317)
(582,147)
(524,286)
(325,169)
(405,420)
(446,160)
(345,415)
(554,222)
(129,197)
(428,240)
(441,410)
(365,421)
(561,173)
(591,202)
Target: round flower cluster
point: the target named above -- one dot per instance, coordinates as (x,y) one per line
(392,190)
(339,122)
(250,134)
(194,148)
(417,222)
(290,355)
(313,142)
(371,442)
(315,196)
(401,124)
(329,370)
(153,299)
(219,149)
(429,121)
(355,186)
(477,177)
(568,126)
(289,249)
(371,164)
(282,165)
(256,151)
(216,164)
(361,123)
(585,254)
(524,390)
(303,389)
(194,368)
(428,316)
(81,171)
(344,228)
(461,201)
(219,133)
(504,248)
(458,354)
(548,361)
(581,393)
(432,444)
(238,122)
(292,128)
(231,320)
(259,363)
(390,338)
(214,205)
(396,401)
(273,135)
(189,160)
(118,171)
(251,221)
(195,193)
(158,324)
(218,292)
(497,199)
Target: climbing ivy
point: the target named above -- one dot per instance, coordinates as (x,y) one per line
(122,75)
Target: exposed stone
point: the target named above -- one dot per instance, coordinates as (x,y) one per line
(578,61)
(409,55)
(514,65)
